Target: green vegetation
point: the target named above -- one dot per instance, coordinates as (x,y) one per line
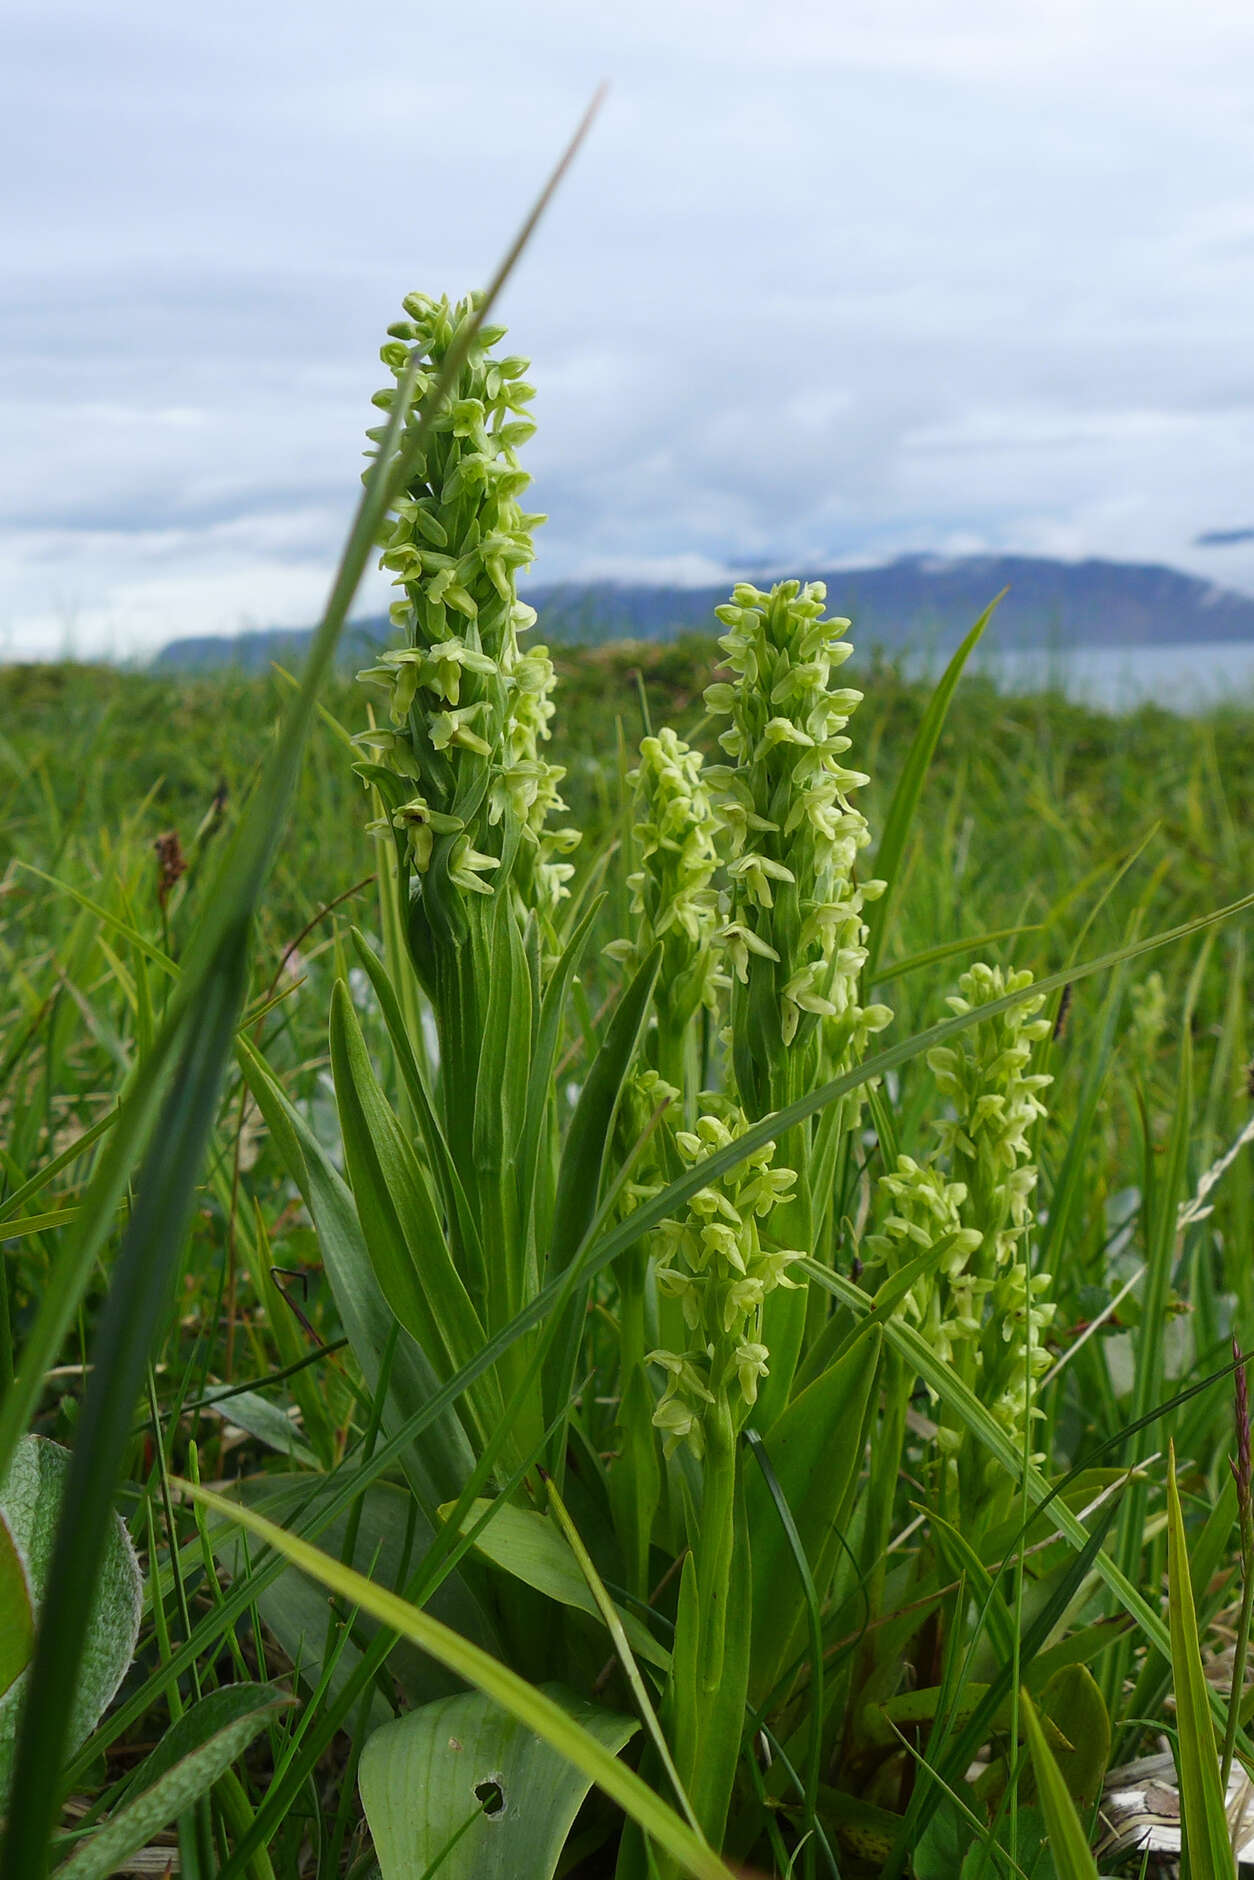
(630,1335)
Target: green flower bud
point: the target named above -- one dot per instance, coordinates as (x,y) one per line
(454,544)
(795,940)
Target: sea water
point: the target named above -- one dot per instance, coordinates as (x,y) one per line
(1183,678)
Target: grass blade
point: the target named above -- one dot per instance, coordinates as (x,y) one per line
(1202,1817)
(531,1707)
(191,1052)
(900,818)
(1068,1843)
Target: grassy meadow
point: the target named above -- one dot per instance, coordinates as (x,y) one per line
(561,1375)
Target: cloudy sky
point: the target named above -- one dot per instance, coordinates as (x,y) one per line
(830,282)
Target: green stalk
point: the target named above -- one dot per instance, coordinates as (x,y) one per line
(715,1542)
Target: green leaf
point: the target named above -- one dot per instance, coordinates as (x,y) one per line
(1073,1858)
(528,1546)
(438,1466)
(815,1452)
(31,1496)
(263,1419)
(897,823)
(1073,1703)
(466,1761)
(584,1157)
(197,1749)
(17,1617)
(415,1083)
(553,1008)
(392,1537)
(592,1126)
(177,1086)
(534,1709)
(1203,1822)
(401,1227)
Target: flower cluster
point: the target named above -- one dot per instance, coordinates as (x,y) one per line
(459,767)
(946,1300)
(721,1265)
(795,937)
(995,1100)
(672,897)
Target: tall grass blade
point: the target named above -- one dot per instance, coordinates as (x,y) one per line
(1203,1821)
(1068,1843)
(191,1053)
(900,818)
(532,1708)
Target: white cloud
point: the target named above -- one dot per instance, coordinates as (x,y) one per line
(827,283)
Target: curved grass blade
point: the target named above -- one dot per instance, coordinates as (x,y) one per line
(419,1771)
(1202,1818)
(1068,1843)
(622,1646)
(531,1707)
(897,823)
(194,1753)
(814,1621)
(190,1053)
(972,943)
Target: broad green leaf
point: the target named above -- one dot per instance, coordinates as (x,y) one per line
(1073,1858)
(1073,1703)
(501,1087)
(392,1537)
(532,1708)
(584,1158)
(17,1618)
(426,1776)
(197,1749)
(815,1452)
(1202,1819)
(30,1499)
(263,1419)
(528,1546)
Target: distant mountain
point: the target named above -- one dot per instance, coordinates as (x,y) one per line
(918,600)
(255,651)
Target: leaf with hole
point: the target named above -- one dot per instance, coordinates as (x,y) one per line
(464,1779)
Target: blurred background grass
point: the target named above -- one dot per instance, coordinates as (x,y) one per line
(1033,807)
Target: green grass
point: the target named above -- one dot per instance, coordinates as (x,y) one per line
(501,1495)
(1031,809)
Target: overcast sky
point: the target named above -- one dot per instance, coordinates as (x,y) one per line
(830,282)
